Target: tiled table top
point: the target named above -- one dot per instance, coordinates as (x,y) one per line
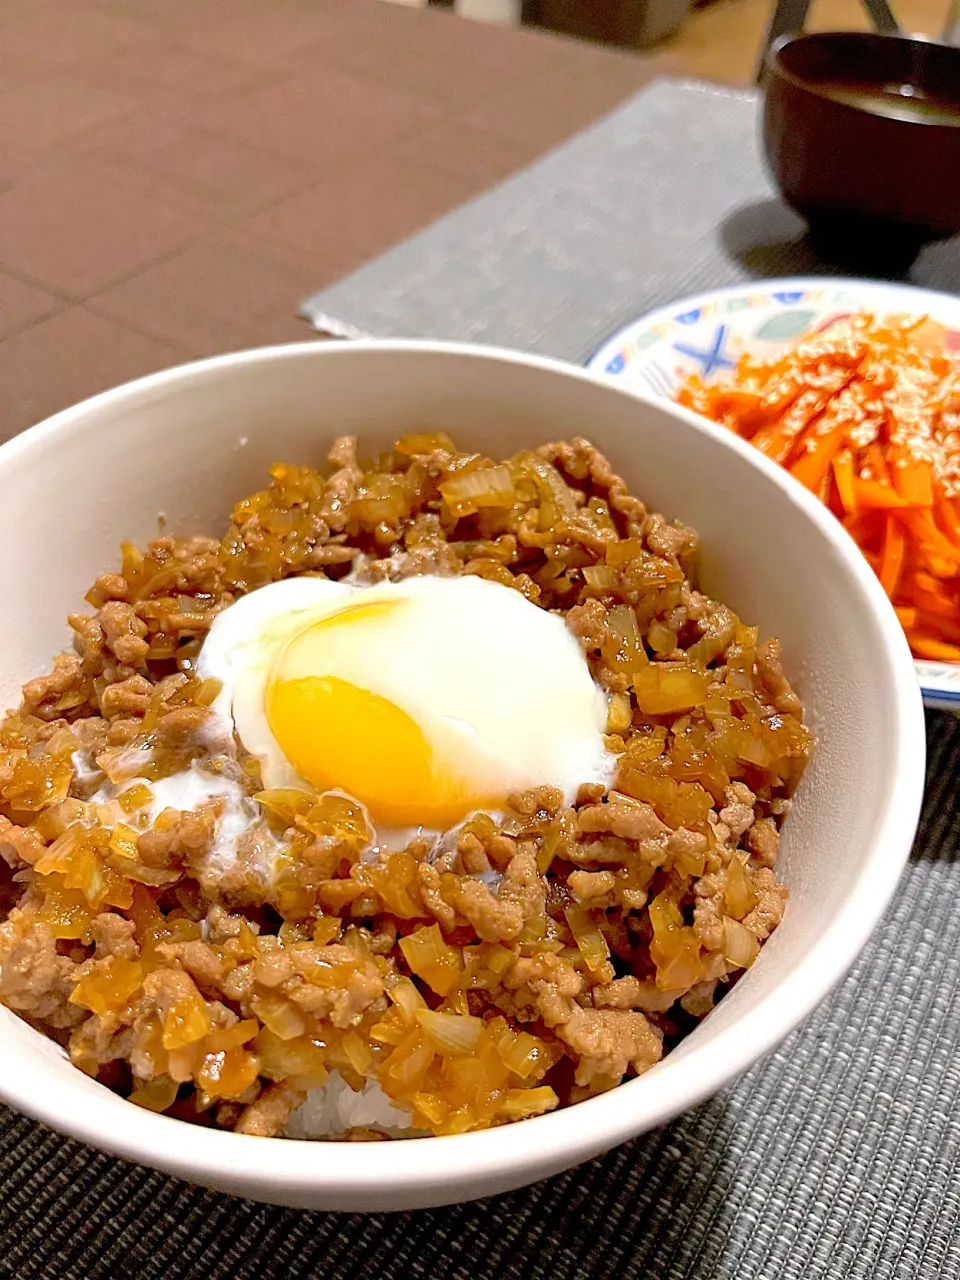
(176,175)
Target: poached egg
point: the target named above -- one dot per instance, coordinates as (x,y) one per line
(425,700)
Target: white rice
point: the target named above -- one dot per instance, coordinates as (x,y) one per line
(331,1109)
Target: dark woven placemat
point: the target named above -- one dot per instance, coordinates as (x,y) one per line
(665,197)
(839,1156)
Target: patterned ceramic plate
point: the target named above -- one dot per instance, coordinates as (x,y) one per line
(709,333)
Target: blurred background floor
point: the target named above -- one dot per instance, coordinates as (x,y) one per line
(717,39)
(176,175)
(720,40)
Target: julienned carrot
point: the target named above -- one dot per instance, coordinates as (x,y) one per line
(914,482)
(814,463)
(874,495)
(844,477)
(948,517)
(927,535)
(892,562)
(936,627)
(879,447)
(935,650)
(923,581)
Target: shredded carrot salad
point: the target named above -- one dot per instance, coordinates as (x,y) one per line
(866,414)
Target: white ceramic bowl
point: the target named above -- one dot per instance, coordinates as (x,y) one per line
(189,441)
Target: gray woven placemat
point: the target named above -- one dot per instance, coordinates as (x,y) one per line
(837,1157)
(665,197)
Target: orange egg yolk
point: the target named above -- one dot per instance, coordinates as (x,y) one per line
(340,736)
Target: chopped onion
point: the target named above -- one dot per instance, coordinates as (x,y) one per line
(433,1109)
(498,958)
(156,1094)
(136,797)
(598,576)
(357,1052)
(407,998)
(738,895)
(208,691)
(630,653)
(590,941)
(518,1103)
(281,1016)
(662,640)
(452,1033)
(740,946)
(467,491)
(418,442)
(123,841)
(557,502)
(664,688)
(430,958)
(625,549)
(327,929)
(619,713)
(521,1052)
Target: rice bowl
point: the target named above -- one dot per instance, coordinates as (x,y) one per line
(860,799)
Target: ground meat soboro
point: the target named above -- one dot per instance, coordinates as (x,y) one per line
(521,964)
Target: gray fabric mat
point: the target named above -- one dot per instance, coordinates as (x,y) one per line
(839,1156)
(665,197)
